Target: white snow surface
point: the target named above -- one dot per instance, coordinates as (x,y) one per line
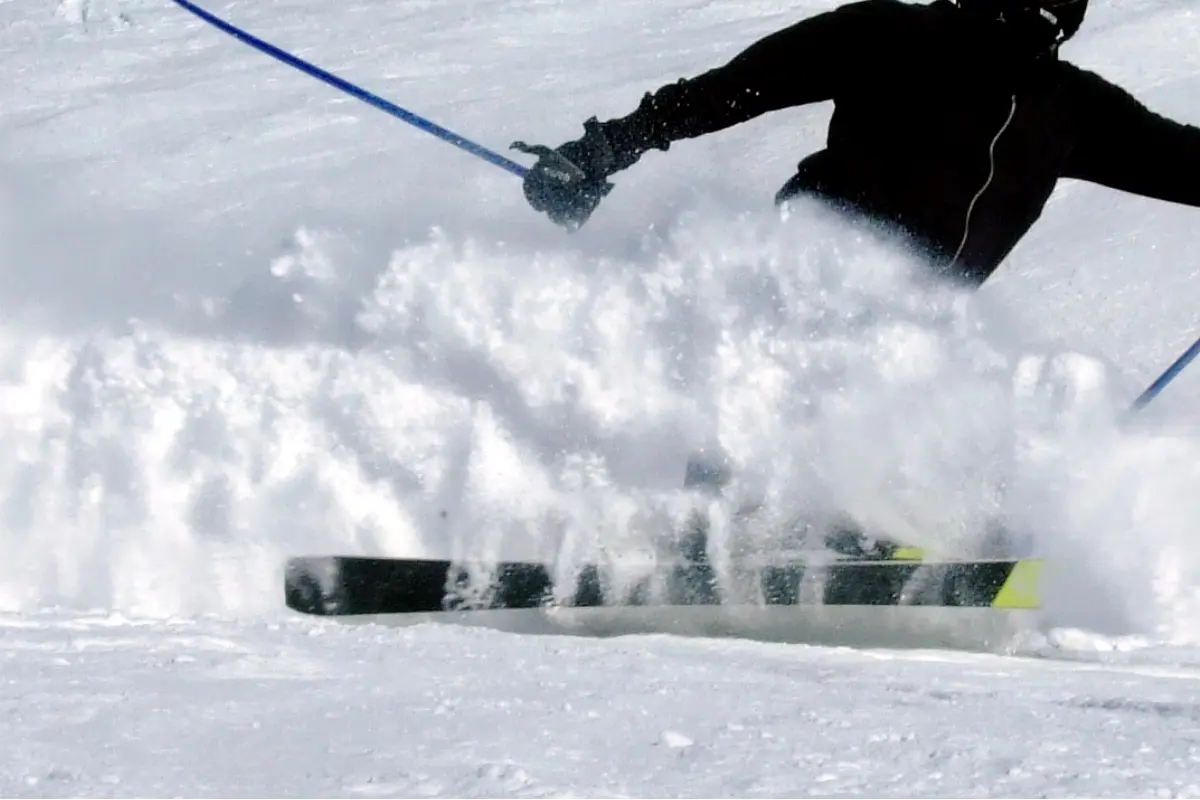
(109,706)
(247,317)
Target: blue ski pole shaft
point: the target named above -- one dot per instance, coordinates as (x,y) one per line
(355,91)
(1169,375)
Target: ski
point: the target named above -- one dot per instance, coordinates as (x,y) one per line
(336,585)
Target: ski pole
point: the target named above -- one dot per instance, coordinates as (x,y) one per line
(1168,375)
(355,91)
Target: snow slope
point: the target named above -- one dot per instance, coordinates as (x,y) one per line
(247,317)
(246,709)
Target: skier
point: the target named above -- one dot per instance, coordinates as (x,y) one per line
(953,121)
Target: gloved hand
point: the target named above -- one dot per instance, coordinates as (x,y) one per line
(568,183)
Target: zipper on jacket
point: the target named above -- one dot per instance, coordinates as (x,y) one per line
(1012,110)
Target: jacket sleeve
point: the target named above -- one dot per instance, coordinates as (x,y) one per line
(810,61)
(1124,145)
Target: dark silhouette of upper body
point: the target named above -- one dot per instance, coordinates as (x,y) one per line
(953,121)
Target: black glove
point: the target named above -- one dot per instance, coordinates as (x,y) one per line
(569,182)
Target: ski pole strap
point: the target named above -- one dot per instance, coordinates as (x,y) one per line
(356,91)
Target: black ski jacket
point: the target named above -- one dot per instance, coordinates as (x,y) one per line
(941,127)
